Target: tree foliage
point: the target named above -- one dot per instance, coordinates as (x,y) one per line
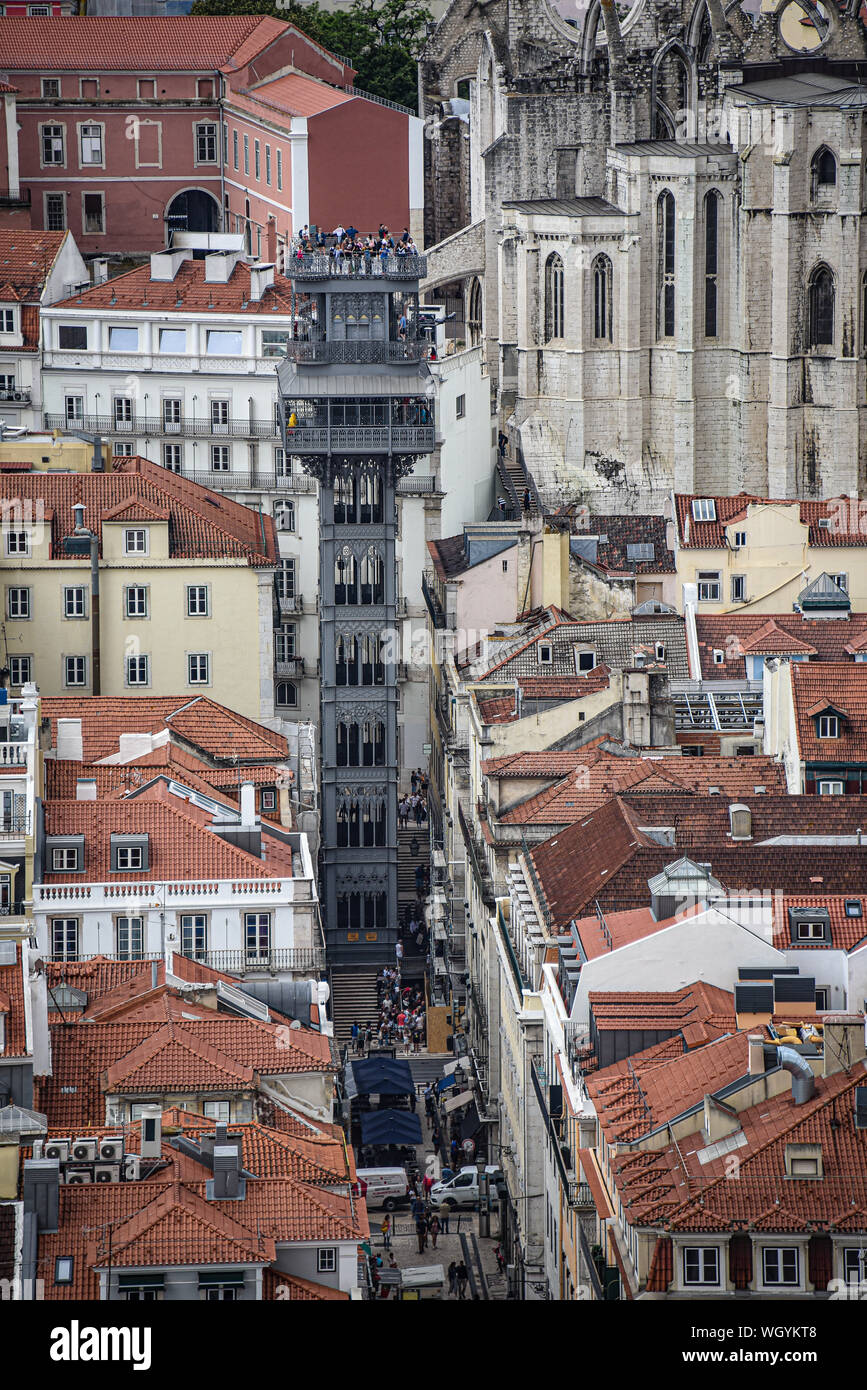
(381,38)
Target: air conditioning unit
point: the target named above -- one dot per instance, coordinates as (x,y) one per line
(84,1150)
(74,1176)
(111,1149)
(106,1172)
(17,395)
(131,1168)
(57,1148)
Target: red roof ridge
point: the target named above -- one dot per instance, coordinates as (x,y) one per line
(125,1067)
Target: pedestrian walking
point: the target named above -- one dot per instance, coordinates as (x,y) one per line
(429,1103)
(413,781)
(354,1033)
(502,441)
(501,503)
(462,1277)
(421,1232)
(453,1279)
(398,951)
(526,499)
(445,1212)
(434,1228)
(386,1232)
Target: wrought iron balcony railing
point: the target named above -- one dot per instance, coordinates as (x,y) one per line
(190,427)
(358,352)
(411,439)
(323,267)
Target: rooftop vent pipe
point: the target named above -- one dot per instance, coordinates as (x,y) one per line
(803,1081)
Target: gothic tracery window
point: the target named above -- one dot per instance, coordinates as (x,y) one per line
(820,308)
(602,299)
(711,263)
(665,256)
(554,298)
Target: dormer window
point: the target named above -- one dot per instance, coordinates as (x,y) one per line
(660,651)
(135,542)
(129,853)
(718,657)
(703,509)
(584,662)
(546,653)
(809,924)
(828,726)
(64,854)
(803,1160)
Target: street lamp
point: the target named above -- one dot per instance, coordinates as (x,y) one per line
(484,1198)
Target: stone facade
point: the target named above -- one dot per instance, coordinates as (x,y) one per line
(675,266)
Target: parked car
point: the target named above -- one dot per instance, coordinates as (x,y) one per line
(463,1189)
(384,1187)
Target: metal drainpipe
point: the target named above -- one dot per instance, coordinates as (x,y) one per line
(94,613)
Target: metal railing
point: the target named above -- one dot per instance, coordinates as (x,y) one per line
(414,439)
(580,1195)
(239,962)
(190,427)
(231,480)
(22,396)
(323,267)
(11,197)
(416,483)
(13,826)
(18,909)
(434,607)
(358,352)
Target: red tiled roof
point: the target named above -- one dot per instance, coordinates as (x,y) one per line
(12,992)
(180,848)
(26,258)
(846,932)
(180,1228)
(574,864)
(844,530)
(291,1287)
(161,1058)
(731,633)
(182,43)
(136,287)
(297,94)
(842,687)
(201,722)
(200,524)
(662,1009)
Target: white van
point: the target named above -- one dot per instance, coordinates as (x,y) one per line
(384,1187)
(463,1189)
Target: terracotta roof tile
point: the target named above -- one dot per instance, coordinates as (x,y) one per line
(136,288)
(845,528)
(26,258)
(623,531)
(12,990)
(297,1288)
(838,685)
(205,725)
(178,1227)
(185,43)
(297,94)
(732,633)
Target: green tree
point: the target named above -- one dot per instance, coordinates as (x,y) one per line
(381,38)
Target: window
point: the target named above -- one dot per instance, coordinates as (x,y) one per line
(223,341)
(855,1264)
(93,220)
(701,1265)
(740,540)
(285,579)
(460,407)
(268,164)
(660,651)
(220,458)
(173,340)
(284,516)
(122,411)
(218,1110)
(235,148)
(284,642)
(505,567)
(63,1264)
(780,1265)
(129,857)
(257,934)
(55,212)
(822,999)
(52,144)
(197,600)
(703,509)
(130,937)
(665,222)
(122,447)
(135,542)
(172,457)
(326,1261)
(7,384)
(585,661)
(137,670)
(7,321)
(708,586)
(91,144)
(206,143)
(194,933)
(841,580)
(17,543)
(286,693)
(75,602)
(823,173)
(554,298)
(136,596)
(546,653)
(198,668)
(739,588)
(20,670)
(257,161)
(18,603)
(140,1288)
(75,670)
(820,302)
(811,931)
(602,299)
(274,342)
(279,168)
(63,860)
(711,263)
(74,410)
(172,411)
(830,788)
(828,726)
(268,799)
(246,154)
(71,336)
(51,87)
(220,417)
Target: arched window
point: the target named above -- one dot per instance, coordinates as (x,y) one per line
(665,217)
(361,745)
(554,298)
(286,693)
(602,299)
(823,172)
(711,263)
(474,314)
(821,308)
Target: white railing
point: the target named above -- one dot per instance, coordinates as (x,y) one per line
(97,895)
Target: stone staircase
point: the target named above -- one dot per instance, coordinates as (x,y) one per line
(413,962)
(353,1000)
(512,480)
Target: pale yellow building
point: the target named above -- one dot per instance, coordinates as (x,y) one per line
(185,600)
(51,452)
(746,554)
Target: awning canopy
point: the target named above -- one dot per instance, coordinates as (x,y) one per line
(390,1127)
(380,1076)
(444,1083)
(471,1123)
(455,1102)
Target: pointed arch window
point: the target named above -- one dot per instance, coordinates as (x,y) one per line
(864,313)
(554,298)
(821,308)
(665,219)
(474,314)
(602,299)
(711,264)
(823,173)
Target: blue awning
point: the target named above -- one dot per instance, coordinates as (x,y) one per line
(445,1082)
(378,1076)
(390,1127)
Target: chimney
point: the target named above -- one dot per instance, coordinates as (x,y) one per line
(78,510)
(41,1192)
(97,462)
(151,1133)
(271,239)
(85,789)
(843,1041)
(248,804)
(132,746)
(261,279)
(166,264)
(227,1172)
(756,1045)
(220,266)
(99,270)
(69,744)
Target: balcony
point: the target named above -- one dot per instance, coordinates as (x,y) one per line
(14,827)
(10,910)
(358,352)
(190,427)
(241,962)
(416,483)
(394,439)
(16,397)
(290,604)
(13,754)
(434,607)
(14,197)
(230,480)
(319,267)
(289,667)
